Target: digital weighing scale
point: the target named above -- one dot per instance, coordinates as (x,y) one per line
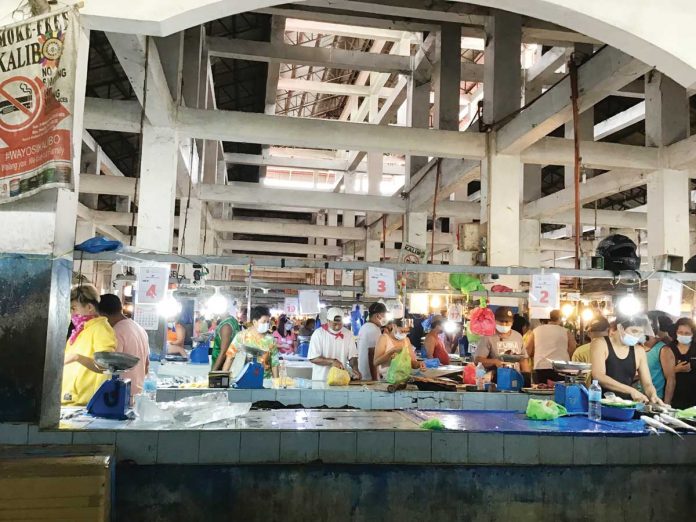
(246,371)
(572,393)
(112,399)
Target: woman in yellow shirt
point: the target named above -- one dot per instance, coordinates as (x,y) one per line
(81,376)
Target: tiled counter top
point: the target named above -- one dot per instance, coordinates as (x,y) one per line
(365,397)
(350,436)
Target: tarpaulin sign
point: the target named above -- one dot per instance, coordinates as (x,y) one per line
(37,87)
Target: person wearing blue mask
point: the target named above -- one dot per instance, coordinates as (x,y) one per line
(678,361)
(615,362)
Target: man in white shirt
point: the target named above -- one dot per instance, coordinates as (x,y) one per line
(332,345)
(367,340)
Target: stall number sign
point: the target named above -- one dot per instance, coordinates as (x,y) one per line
(670,297)
(309,302)
(152,284)
(381,282)
(544,292)
(291,306)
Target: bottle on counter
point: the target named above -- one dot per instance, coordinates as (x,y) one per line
(480,376)
(595,401)
(150,385)
(283,374)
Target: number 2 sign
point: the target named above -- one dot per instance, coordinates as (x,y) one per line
(544,292)
(381,282)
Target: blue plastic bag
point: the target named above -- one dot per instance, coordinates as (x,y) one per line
(99,244)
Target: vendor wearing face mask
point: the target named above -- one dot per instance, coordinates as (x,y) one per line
(333,345)
(391,343)
(505,341)
(615,361)
(678,360)
(367,339)
(91,333)
(257,336)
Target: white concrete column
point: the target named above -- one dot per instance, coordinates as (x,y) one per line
(666,122)
(416,230)
(446,77)
(332,221)
(190,224)
(349,249)
(586,128)
(157,189)
(83,231)
(418,106)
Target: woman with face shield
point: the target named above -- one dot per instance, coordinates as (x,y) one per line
(391,343)
(615,361)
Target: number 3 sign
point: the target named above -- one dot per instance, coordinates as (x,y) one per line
(381,282)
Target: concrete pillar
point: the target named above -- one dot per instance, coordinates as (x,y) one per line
(349,249)
(157,189)
(530,229)
(446,77)
(83,231)
(418,105)
(586,125)
(666,122)
(332,221)
(416,230)
(190,225)
(501,73)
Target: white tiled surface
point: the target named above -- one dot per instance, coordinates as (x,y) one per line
(376,447)
(299,446)
(219,447)
(14,433)
(259,447)
(140,446)
(178,447)
(338,446)
(413,446)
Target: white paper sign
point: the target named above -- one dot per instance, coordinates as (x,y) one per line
(381,282)
(309,302)
(291,306)
(670,298)
(152,284)
(545,291)
(146,316)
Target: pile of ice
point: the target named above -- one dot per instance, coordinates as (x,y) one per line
(210,410)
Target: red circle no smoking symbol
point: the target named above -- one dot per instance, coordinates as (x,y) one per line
(20,103)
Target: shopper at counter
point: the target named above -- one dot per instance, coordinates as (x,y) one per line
(390,344)
(177,338)
(284,336)
(598,327)
(225,331)
(308,328)
(679,363)
(91,334)
(549,342)
(505,341)
(256,336)
(369,333)
(131,339)
(333,345)
(434,347)
(615,361)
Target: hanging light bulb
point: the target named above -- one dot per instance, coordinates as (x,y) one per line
(567,309)
(435,301)
(629,305)
(217,304)
(587,314)
(450,327)
(169,307)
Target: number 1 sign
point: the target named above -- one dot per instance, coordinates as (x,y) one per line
(381,282)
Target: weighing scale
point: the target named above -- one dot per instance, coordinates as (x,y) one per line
(572,393)
(508,379)
(112,399)
(246,371)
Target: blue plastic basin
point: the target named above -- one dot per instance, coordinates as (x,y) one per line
(617,414)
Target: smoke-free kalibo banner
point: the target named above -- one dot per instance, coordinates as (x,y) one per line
(37,85)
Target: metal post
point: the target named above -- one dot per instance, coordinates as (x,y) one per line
(572,66)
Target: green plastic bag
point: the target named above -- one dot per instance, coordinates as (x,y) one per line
(688,414)
(400,367)
(465,283)
(545,410)
(433,425)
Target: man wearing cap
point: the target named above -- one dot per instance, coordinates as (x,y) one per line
(332,345)
(598,327)
(505,341)
(367,340)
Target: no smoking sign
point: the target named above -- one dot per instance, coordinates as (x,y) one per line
(21,102)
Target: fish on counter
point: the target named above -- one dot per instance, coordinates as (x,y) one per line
(660,425)
(668,419)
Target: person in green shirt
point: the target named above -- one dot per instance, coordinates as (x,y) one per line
(256,336)
(225,332)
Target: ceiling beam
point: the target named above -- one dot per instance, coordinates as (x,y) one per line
(300,55)
(287,229)
(336,89)
(285,248)
(130,50)
(543,71)
(246,127)
(255,195)
(601,218)
(598,155)
(619,121)
(601,186)
(304,25)
(112,115)
(607,70)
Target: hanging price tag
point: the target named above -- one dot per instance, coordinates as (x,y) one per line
(291,306)
(381,282)
(545,292)
(670,297)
